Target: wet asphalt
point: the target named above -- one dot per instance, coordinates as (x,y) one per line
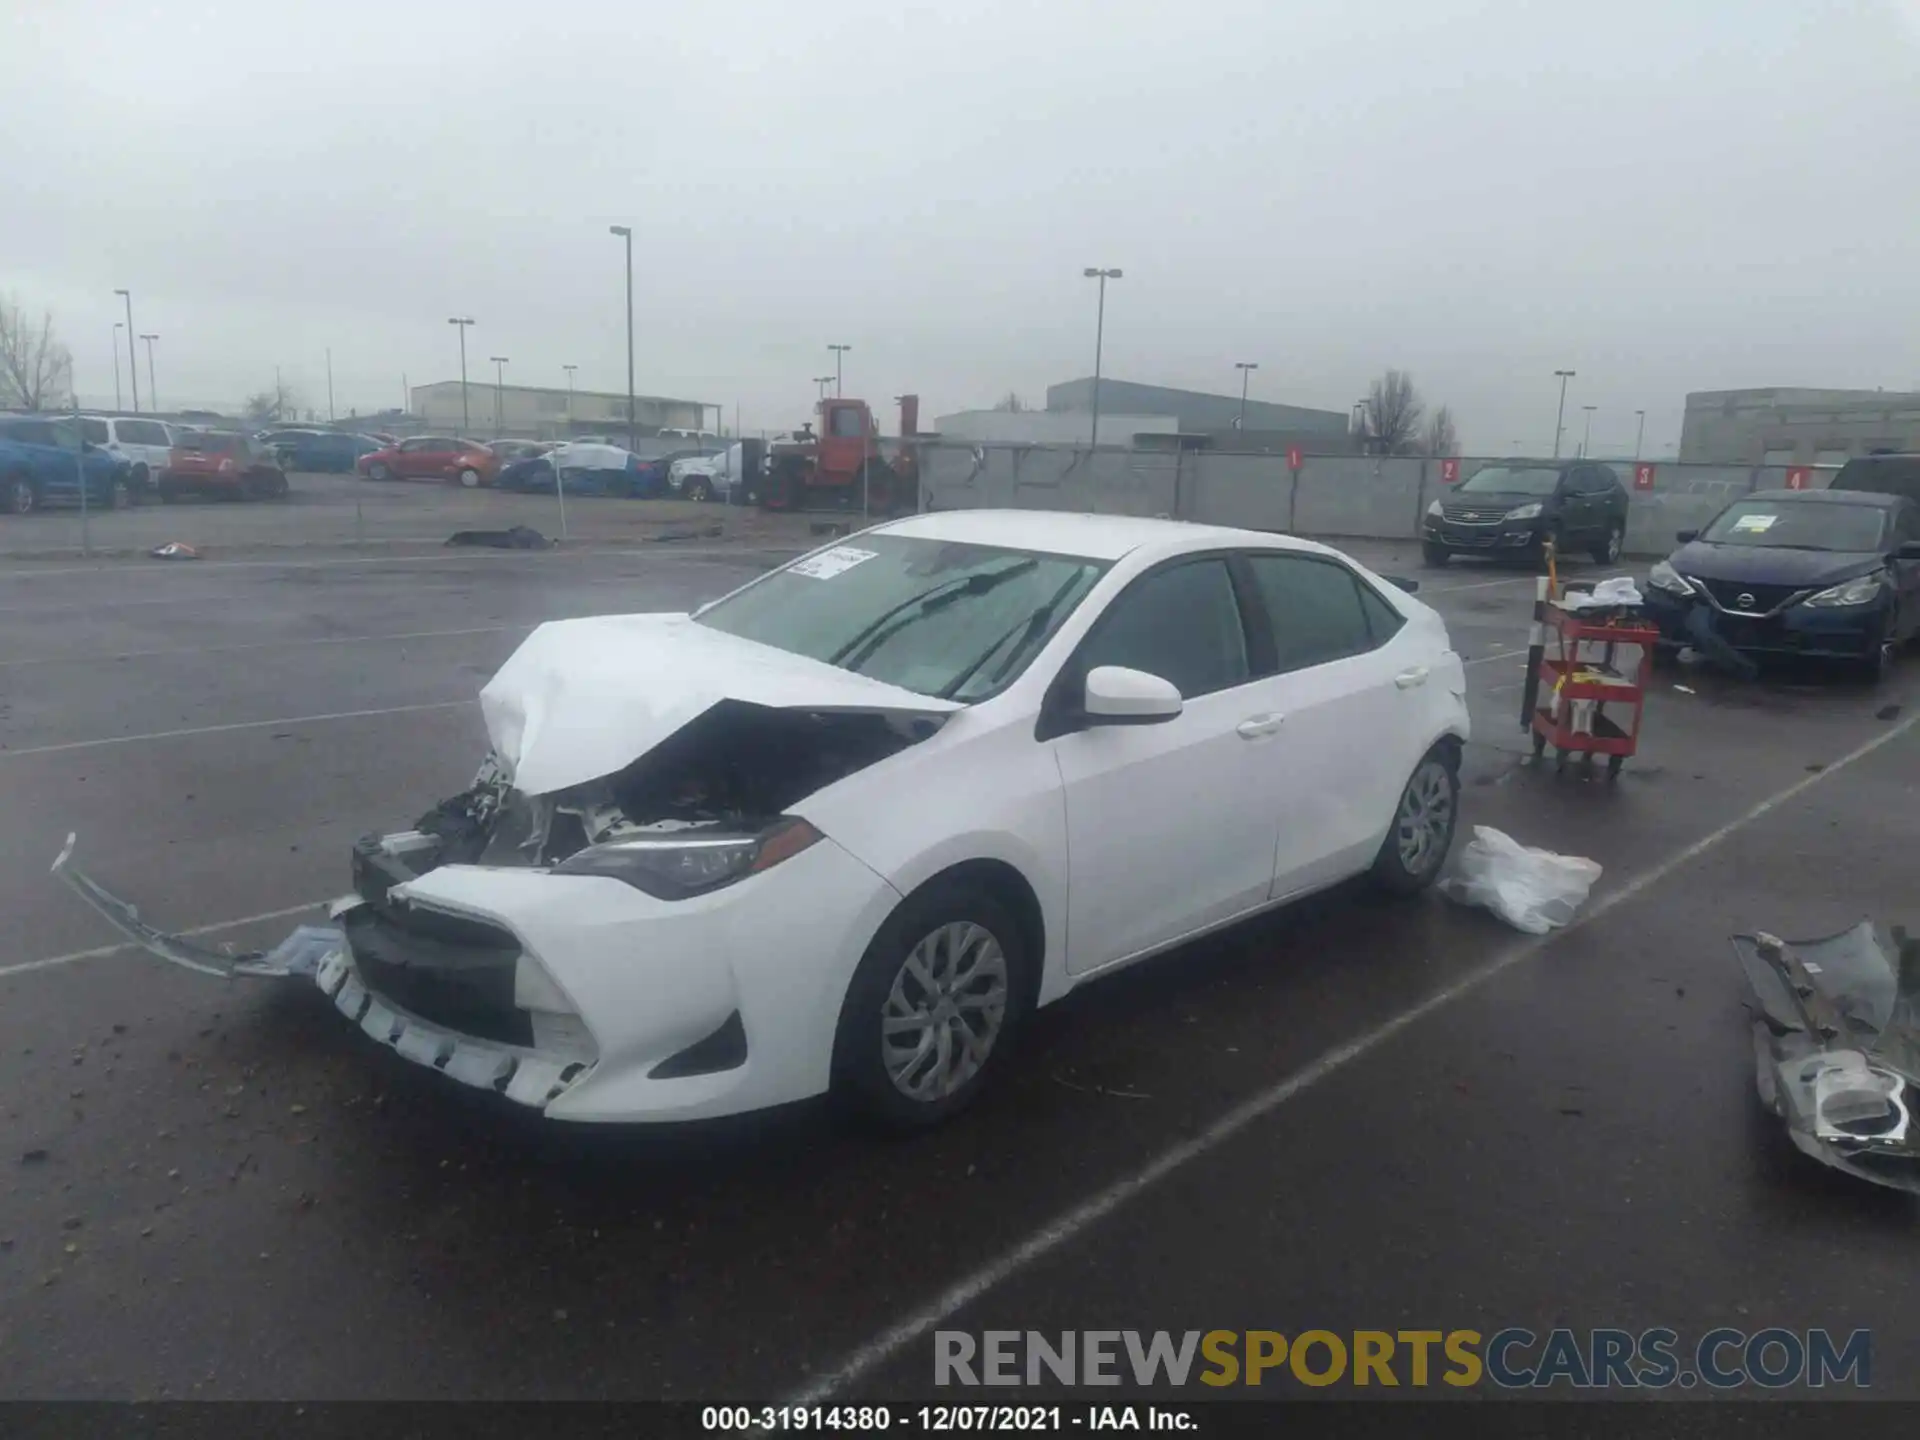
(221,1191)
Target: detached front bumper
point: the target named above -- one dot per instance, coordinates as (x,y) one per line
(577,995)
(1841,632)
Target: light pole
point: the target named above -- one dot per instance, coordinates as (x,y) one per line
(118,325)
(820,396)
(330,415)
(1246,369)
(133,359)
(1586,434)
(1099,339)
(839,353)
(625,232)
(1559,416)
(569,369)
(499,363)
(463,321)
(1640,435)
(153,389)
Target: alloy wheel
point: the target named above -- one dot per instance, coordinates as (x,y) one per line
(20,496)
(1615,538)
(1424,825)
(945,1010)
(469,478)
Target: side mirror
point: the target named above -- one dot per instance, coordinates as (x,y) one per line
(1118,696)
(1909,550)
(1686,537)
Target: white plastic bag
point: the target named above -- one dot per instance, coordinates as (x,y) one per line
(1532,890)
(1620,590)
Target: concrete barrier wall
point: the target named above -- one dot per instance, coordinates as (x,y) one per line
(1335,496)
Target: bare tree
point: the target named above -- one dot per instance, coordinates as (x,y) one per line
(1012,403)
(269,406)
(1391,415)
(1442,438)
(36,370)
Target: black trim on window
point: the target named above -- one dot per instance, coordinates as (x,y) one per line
(1061,711)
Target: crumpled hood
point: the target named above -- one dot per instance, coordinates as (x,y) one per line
(585,698)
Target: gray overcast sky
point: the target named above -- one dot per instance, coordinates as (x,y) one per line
(1661,194)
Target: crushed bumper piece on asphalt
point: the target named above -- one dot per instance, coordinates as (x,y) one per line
(1836,1040)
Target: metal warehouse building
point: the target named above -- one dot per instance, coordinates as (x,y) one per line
(1197,412)
(1797,427)
(534,413)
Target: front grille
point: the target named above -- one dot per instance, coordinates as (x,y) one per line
(446,969)
(1466,514)
(1747,599)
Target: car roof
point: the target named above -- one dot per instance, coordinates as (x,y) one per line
(1096,537)
(1876,498)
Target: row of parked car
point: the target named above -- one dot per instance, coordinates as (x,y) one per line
(121,460)
(590,466)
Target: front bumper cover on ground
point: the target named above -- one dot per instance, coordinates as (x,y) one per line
(1836,1037)
(322,953)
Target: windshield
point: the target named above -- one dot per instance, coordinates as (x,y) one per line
(955,621)
(1814,525)
(1511,480)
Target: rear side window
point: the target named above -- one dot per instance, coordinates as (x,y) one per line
(142,432)
(1316,608)
(1182,624)
(94,430)
(1602,480)
(1884,475)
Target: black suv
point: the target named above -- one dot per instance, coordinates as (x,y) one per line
(1882,475)
(1511,507)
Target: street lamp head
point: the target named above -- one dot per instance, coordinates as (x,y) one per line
(127,293)
(1094,272)
(1246,364)
(459,320)
(624,230)
(1564,374)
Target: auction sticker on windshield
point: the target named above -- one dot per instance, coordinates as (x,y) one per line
(829,563)
(1755,524)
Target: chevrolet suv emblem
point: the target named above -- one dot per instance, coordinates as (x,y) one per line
(1745,602)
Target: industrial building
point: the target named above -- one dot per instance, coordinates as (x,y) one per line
(1213,421)
(1049,427)
(1797,427)
(534,413)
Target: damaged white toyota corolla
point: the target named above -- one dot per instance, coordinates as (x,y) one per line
(843,829)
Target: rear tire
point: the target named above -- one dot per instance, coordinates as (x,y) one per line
(961,938)
(1435,555)
(20,496)
(1424,822)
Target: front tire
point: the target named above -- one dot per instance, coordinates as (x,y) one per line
(378,471)
(1424,822)
(1877,668)
(1435,555)
(469,478)
(932,1010)
(698,489)
(1606,551)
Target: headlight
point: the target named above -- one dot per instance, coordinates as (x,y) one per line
(676,866)
(1863,591)
(1664,577)
(1435,511)
(1523,512)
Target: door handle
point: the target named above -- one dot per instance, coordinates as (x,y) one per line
(1254,726)
(1407,679)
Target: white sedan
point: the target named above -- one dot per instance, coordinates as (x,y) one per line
(845,828)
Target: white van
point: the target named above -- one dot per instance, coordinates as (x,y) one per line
(146,445)
(699,437)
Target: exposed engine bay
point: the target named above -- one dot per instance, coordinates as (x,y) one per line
(737,765)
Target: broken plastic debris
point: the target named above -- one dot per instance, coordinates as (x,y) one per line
(174,550)
(1836,1041)
(517,537)
(1532,890)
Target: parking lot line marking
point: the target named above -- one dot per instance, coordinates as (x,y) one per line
(265,645)
(1065,1227)
(236,725)
(100,951)
(1476,585)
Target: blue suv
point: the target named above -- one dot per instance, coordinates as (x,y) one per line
(38,469)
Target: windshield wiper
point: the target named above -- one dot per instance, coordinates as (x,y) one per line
(1026,629)
(889,622)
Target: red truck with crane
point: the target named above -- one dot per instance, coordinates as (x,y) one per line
(845,465)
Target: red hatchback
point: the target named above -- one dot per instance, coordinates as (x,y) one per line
(222,464)
(433,457)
